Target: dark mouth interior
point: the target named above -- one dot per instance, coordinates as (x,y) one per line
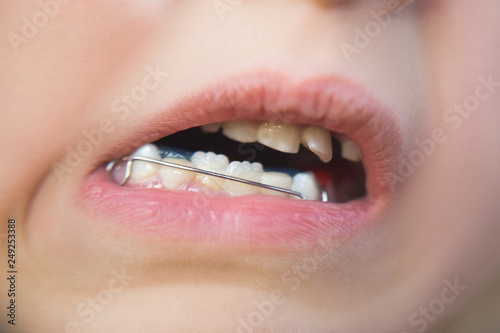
(343,180)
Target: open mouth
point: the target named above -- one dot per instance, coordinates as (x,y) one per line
(282,163)
(287,160)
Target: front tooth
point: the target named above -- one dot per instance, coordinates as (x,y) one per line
(245,170)
(350,151)
(174,179)
(277,179)
(279,136)
(144,170)
(210,162)
(319,141)
(241,130)
(211,128)
(306,184)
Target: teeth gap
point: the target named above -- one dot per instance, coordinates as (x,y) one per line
(341,174)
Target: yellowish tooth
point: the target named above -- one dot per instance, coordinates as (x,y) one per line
(174,179)
(241,130)
(319,141)
(279,136)
(306,184)
(277,179)
(244,170)
(144,170)
(210,162)
(211,128)
(350,151)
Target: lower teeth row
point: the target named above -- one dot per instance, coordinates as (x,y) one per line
(151,175)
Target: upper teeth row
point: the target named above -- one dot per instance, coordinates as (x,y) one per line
(153,175)
(285,137)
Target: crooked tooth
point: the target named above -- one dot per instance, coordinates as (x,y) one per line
(144,170)
(277,179)
(211,128)
(241,130)
(280,136)
(211,162)
(245,170)
(350,151)
(174,179)
(319,141)
(306,184)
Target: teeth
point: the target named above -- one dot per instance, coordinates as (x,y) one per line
(174,179)
(277,179)
(146,174)
(144,170)
(306,184)
(279,136)
(350,151)
(319,141)
(241,130)
(245,170)
(211,162)
(211,128)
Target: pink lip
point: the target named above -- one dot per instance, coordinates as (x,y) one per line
(256,221)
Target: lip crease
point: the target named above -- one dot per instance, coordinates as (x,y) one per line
(256,221)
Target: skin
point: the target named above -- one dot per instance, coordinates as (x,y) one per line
(442,226)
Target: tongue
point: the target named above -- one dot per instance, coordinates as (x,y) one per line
(324,178)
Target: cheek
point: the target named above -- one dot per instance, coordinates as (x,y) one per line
(58,60)
(59,239)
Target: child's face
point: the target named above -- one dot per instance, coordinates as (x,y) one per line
(417,87)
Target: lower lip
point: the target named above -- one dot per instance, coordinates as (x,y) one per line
(249,221)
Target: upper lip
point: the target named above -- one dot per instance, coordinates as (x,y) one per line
(336,103)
